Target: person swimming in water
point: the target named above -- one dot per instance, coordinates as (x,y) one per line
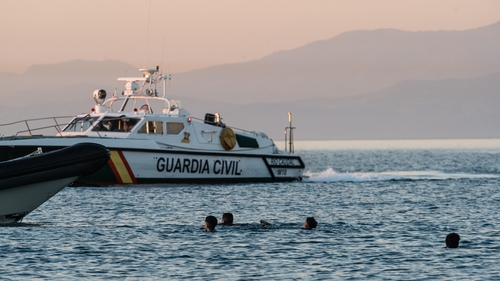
(210,223)
(265,223)
(310,223)
(452,240)
(227,219)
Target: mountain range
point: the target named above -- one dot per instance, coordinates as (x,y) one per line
(374,84)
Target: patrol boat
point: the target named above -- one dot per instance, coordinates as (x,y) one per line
(152,140)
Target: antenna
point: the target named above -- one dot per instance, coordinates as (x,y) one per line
(163,53)
(285,138)
(147,35)
(290,138)
(116,86)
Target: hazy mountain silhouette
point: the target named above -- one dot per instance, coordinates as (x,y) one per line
(61,82)
(362,84)
(352,63)
(450,108)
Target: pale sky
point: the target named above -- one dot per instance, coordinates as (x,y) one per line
(189,34)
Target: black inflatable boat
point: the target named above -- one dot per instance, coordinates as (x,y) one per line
(27,182)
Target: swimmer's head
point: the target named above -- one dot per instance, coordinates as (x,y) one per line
(310,223)
(452,240)
(210,223)
(227,219)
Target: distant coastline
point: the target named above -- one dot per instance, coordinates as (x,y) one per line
(468,144)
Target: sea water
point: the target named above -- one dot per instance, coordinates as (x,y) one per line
(383,209)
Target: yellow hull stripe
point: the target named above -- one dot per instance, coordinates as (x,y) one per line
(121,167)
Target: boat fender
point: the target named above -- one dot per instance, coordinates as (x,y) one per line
(227,138)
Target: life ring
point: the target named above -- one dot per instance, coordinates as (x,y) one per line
(227,138)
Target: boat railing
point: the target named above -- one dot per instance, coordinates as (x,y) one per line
(34,126)
(257,134)
(168,105)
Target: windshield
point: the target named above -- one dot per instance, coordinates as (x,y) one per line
(116,124)
(112,124)
(80,124)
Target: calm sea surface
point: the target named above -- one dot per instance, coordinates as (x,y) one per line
(384,209)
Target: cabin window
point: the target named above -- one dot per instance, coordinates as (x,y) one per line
(174,128)
(244,141)
(80,124)
(152,127)
(116,124)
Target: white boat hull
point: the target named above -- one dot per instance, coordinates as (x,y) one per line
(150,164)
(15,203)
(131,167)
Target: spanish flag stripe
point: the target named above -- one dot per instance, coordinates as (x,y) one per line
(113,168)
(121,169)
(127,166)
